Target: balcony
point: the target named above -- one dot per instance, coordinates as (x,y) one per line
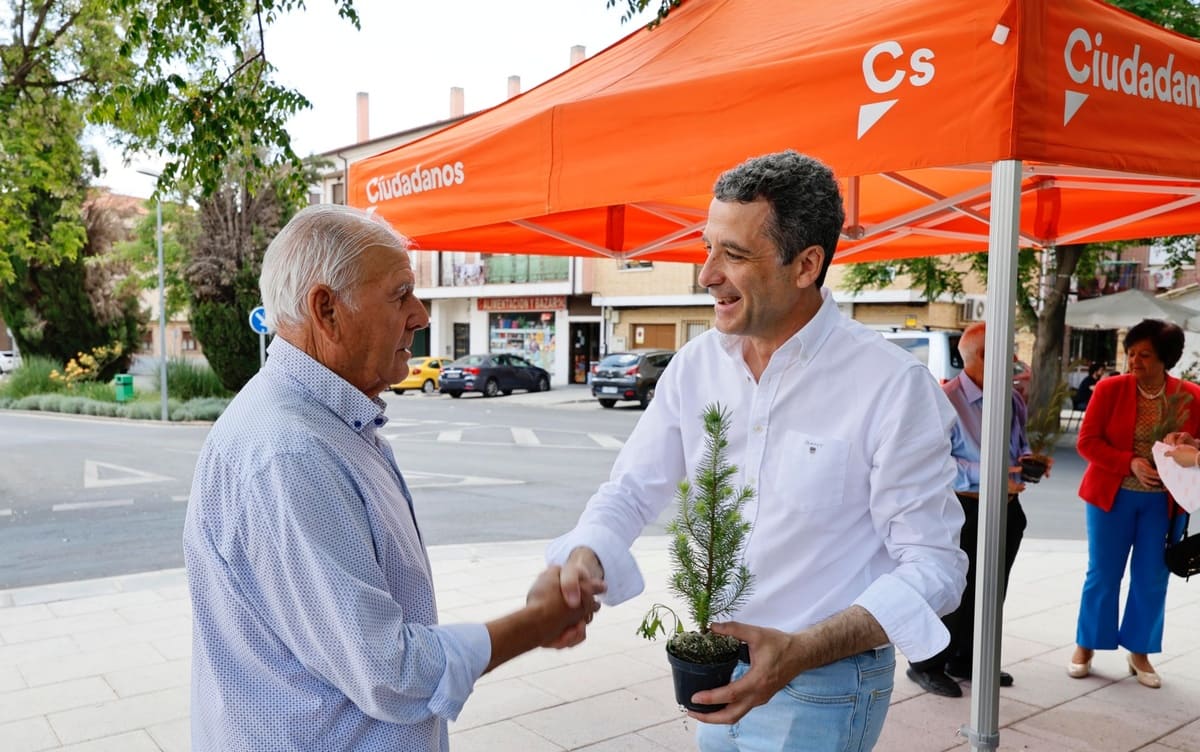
(507,269)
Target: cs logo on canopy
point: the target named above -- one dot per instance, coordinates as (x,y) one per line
(886,67)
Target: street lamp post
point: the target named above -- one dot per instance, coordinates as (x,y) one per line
(162,302)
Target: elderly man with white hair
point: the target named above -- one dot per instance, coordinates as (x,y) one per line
(315,625)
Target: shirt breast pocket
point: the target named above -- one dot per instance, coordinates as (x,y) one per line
(812,470)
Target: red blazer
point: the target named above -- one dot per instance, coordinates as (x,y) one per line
(1106,435)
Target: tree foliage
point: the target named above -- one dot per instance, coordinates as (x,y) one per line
(224,258)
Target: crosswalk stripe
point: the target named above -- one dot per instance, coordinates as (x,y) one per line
(450,436)
(76,505)
(179,498)
(606,441)
(5,512)
(525,436)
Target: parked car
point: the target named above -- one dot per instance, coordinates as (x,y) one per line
(937,349)
(629,375)
(8,361)
(491,374)
(423,374)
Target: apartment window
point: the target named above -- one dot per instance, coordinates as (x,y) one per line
(693,329)
(338,191)
(187,342)
(314,197)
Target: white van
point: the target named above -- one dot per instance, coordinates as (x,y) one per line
(937,349)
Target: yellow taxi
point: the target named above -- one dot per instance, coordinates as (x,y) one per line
(423,374)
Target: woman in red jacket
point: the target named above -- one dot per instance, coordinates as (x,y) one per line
(1127,505)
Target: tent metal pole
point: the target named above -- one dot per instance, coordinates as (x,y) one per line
(983,731)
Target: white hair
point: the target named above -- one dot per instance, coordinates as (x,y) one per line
(321,245)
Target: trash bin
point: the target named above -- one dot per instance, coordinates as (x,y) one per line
(124,386)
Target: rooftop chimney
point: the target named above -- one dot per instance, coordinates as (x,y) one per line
(514,86)
(456,102)
(578,53)
(364,128)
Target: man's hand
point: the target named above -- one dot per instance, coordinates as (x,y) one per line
(1145,472)
(770,653)
(580,580)
(1181,437)
(562,625)
(1185,455)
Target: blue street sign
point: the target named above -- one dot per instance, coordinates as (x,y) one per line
(258,320)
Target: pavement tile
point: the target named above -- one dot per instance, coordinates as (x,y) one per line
(27,735)
(173,736)
(626,743)
(35,701)
(136,681)
(11,655)
(81,665)
(68,625)
(596,719)
(595,676)
(63,591)
(11,679)
(103,603)
(505,736)
(676,735)
(175,647)
(497,701)
(158,610)
(120,715)
(1044,683)
(1186,738)
(1094,725)
(149,631)
(24,614)
(135,741)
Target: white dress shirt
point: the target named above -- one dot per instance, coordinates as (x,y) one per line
(845,440)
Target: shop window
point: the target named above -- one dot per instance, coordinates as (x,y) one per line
(530,335)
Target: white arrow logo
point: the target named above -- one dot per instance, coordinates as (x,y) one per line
(869,114)
(1074,101)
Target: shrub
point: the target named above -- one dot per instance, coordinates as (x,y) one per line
(31,377)
(94,390)
(189,380)
(208,408)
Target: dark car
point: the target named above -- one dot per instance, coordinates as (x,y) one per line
(629,375)
(491,374)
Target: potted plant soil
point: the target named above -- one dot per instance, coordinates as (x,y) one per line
(1042,429)
(707,573)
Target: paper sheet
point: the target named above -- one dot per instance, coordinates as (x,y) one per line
(1182,482)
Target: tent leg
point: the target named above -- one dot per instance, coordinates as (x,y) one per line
(983,732)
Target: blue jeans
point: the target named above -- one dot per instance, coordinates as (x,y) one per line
(834,708)
(1137,521)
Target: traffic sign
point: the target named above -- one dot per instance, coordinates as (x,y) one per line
(258,320)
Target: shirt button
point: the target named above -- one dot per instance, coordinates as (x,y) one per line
(358,424)
(379,421)
(758,429)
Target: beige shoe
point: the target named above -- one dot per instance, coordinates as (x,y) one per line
(1079,670)
(1145,678)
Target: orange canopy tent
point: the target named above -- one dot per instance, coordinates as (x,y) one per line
(956,125)
(910,101)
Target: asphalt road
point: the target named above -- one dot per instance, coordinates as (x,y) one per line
(83,497)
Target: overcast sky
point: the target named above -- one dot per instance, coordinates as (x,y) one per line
(407,56)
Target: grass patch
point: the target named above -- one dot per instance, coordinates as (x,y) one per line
(31,377)
(188,380)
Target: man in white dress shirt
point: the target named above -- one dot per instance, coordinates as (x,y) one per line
(845,439)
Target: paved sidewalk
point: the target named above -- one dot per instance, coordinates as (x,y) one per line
(103,665)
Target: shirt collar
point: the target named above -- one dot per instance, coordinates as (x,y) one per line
(362,413)
(804,343)
(972,392)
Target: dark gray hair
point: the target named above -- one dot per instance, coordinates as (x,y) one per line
(805,201)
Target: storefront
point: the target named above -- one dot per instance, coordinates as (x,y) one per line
(525,326)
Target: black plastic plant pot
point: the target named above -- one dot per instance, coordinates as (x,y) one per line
(1032,469)
(691,678)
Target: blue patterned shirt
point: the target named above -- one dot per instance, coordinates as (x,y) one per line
(314,625)
(965,437)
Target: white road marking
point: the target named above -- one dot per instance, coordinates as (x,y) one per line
(450,436)
(73,506)
(183,497)
(5,513)
(127,476)
(606,441)
(525,436)
(416,479)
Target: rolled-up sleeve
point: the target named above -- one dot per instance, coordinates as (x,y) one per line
(914,508)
